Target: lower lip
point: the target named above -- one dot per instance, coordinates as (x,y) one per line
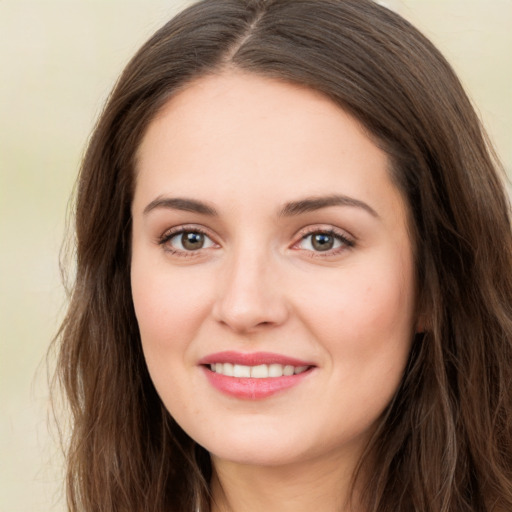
(253,389)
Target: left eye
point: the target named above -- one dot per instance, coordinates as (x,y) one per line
(321,242)
(190,241)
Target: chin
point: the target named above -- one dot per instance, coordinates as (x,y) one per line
(273,445)
(259,445)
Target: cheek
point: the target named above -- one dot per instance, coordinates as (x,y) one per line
(169,305)
(365,316)
(170,308)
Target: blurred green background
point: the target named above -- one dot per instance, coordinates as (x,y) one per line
(58,61)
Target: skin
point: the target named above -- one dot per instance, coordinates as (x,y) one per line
(246,146)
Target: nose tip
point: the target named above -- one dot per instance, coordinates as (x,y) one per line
(245,314)
(250,299)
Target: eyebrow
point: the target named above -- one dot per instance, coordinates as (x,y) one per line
(178,203)
(293,208)
(310,204)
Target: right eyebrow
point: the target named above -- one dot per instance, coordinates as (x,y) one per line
(181,203)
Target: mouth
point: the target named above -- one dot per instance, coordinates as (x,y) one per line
(254,376)
(261,371)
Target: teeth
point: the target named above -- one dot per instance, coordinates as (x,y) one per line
(288,370)
(240,371)
(261,371)
(275,370)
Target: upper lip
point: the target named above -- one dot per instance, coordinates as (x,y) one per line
(252,359)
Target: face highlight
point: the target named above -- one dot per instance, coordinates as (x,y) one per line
(272,271)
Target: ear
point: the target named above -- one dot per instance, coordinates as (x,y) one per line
(423,320)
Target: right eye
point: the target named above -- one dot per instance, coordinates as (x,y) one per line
(187,241)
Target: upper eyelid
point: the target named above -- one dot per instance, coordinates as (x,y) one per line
(323,228)
(182,228)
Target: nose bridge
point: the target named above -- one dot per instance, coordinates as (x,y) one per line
(249,294)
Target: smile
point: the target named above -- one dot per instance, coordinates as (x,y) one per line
(261,371)
(254,376)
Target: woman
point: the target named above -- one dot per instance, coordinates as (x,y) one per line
(293,279)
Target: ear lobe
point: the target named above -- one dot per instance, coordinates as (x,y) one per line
(423,321)
(423,324)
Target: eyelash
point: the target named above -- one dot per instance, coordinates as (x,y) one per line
(346,242)
(174,232)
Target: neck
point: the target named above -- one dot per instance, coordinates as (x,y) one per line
(311,485)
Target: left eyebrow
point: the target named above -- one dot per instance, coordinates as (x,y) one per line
(310,204)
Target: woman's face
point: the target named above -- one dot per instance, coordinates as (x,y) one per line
(272,271)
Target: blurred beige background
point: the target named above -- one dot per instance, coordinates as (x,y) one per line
(58,61)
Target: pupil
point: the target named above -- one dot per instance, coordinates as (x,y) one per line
(322,242)
(192,241)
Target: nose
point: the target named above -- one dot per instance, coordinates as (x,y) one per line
(250,294)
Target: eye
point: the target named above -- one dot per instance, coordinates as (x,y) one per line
(324,241)
(187,241)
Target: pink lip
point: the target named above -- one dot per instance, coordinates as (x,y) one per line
(250,388)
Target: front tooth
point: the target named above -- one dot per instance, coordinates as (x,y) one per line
(241,371)
(227,369)
(288,370)
(259,372)
(275,370)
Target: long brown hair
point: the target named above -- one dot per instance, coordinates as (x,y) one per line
(445,442)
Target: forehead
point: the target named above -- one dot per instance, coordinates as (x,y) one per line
(237,135)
